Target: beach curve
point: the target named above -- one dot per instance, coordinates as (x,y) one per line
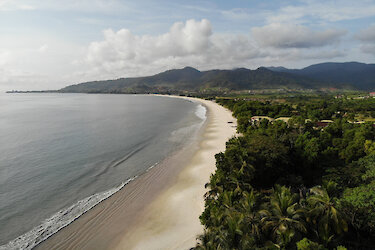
(163,212)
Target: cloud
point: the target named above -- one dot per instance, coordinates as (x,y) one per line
(190,43)
(43,48)
(294,36)
(4,4)
(193,43)
(182,39)
(123,54)
(4,57)
(368,48)
(32,63)
(297,54)
(367,35)
(13,79)
(367,38)
(10,5)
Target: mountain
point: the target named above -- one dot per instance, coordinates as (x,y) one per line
(350,75)
(190,79)
(278,69)
(358,75)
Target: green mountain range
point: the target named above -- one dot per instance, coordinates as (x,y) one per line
(354,74)
(326,75)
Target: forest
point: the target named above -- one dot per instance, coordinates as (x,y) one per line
(294,184)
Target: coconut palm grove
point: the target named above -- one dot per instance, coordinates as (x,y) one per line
(297,183)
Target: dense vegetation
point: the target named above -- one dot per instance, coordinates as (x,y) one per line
(190,80)
(360,74)
(294,185)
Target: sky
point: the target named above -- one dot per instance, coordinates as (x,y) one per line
(52,43)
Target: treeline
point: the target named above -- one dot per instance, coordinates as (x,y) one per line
(307,107)
(292,186)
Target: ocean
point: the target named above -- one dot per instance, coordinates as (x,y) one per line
(61,154)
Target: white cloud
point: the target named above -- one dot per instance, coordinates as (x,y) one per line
(124,54)
(4,4)
(10,5)
(192,43)
(294,36)
(43,48)
(4,57)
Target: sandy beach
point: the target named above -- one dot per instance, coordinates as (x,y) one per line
(161,208)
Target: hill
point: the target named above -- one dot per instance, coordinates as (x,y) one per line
(350,75)
(359,75)
(190,79)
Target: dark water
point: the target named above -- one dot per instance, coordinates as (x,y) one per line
(60,154)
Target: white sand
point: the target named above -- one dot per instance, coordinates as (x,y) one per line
(172,220)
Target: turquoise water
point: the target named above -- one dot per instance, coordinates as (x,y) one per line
(61,154)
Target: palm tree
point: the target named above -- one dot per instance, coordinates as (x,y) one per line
(283,217)
(234,222)
(227,199)
(252,218)
(213,239)
(324,215)
(214,186)
(205,242)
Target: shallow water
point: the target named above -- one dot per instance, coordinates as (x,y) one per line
(60,154)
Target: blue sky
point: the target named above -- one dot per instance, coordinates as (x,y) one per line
(49,44)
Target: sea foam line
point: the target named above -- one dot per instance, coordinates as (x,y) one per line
(61,219)
(201,112)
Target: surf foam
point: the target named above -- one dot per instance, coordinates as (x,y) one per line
(200,112)
(60,220)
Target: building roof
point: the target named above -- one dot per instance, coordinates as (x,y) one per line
(322,124)
(284,119)
(259,117)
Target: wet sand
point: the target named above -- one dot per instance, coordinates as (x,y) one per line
(161,208)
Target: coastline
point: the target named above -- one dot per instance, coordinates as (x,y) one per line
(161,208)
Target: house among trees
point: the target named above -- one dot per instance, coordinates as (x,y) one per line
(319,124)
(323,123)
(284,119)
(256,119)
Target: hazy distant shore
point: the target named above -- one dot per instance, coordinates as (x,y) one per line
(160,209)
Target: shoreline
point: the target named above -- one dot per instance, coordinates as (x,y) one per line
(139,216)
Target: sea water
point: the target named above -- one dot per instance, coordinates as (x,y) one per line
(61,154)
